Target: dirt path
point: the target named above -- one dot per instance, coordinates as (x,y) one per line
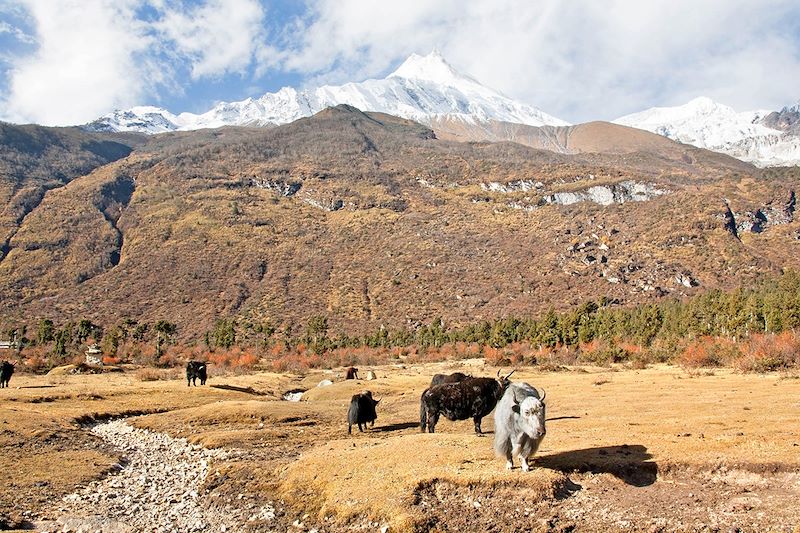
(157,488)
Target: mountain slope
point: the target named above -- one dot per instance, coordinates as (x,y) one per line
(370,220)
(36,159)
(598,138)
(421,89)
(750,136)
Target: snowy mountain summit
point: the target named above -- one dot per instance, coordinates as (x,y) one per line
(423,88)
(758,137)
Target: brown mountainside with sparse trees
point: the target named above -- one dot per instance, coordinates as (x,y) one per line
(372,220)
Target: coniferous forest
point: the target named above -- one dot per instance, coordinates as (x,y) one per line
(753,328)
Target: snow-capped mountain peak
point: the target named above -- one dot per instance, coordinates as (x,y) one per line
(708,124)
(432,67)
(424,89)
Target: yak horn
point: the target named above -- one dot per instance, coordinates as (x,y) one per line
(498,373)
(509,374)
(543,395)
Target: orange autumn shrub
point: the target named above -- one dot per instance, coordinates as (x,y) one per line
(707,351)
(767,352)
(233,359)
(495,356)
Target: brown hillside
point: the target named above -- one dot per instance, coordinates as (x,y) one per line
(370,220)
(35,159)
(592,137)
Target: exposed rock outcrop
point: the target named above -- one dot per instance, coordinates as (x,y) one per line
(775,213)
(281,187)
(625,191)
(513,186)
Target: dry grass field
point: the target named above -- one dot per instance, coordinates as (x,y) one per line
(656,449)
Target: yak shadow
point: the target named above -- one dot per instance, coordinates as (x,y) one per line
(246,390)
(396,427)
(630,463)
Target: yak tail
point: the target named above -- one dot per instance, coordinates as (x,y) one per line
(423,415)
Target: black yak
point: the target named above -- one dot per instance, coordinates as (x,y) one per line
(194,370)
(455,377)
(362,410)
(6,369)
(471,398)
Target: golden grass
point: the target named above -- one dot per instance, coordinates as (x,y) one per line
(655,421)
(637,423)
(345,479)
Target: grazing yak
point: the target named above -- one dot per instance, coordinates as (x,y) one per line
(6,369)
(195,370)
(519,424)
(351,373)
(455,377)
(362,410)
(471,398)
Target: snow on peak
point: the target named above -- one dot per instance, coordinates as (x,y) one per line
(702,103)
(145,119)
(432,67)
(708,124)
(423,88)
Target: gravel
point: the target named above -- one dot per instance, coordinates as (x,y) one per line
(157,488)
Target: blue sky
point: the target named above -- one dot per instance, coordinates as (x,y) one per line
(69,61)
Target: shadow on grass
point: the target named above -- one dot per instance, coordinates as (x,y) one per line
(630,463)
(396,427)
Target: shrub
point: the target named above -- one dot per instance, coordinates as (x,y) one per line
(709,352)
(495,356)
(769,352)
(663,350)
(554,357)
(234,359)
(296,362)
(602,353)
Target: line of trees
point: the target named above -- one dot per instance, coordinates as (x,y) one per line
(772,306)
(73,335)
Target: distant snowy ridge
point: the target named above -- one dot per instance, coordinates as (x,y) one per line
(708,124)
(421,89)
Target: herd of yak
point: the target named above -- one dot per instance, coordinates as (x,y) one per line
(519,409)
(519,416)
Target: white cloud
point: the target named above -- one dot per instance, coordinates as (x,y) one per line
(577,59)
(85,63)
(218,37)
(580,59)
(97,55)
